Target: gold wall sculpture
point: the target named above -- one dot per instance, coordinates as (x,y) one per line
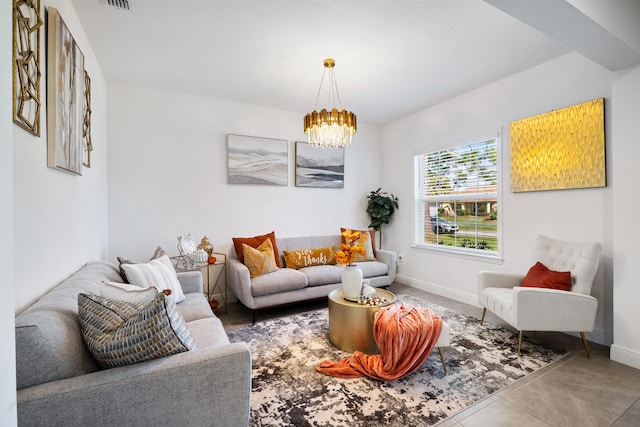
(86,126)
(26,64)
(559,150)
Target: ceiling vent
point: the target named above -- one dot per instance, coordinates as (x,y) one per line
(126,5)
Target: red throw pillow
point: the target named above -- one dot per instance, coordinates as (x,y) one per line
(254,242)
(540,276)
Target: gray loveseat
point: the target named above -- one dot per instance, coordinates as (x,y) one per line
(287,286)
(59,383)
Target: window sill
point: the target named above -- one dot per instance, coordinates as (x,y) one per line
(469,255)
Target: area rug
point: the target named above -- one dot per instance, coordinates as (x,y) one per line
(288,391)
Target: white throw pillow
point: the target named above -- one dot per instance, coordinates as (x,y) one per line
(128,293)
(158,273)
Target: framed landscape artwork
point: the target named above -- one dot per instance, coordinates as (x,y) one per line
(319,167)
(252,160)
(65,97)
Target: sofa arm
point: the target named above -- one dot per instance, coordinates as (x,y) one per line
(200,387)
(191,281)
(543,309)
(391,259)
(239,281)
(495,279)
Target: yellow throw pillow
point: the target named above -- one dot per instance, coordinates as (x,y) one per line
(365,241)
(260,260)
(309,257)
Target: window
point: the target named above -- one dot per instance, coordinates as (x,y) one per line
(457,198)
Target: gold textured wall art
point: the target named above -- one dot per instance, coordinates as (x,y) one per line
(26,64)
(86,126)
(559,150)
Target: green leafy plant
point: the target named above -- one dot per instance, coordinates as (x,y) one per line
(380,208)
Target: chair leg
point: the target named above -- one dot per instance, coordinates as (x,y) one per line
(484,311)
(586,347)
(519,343)
(444,365)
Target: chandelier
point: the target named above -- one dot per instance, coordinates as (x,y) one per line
(330,127)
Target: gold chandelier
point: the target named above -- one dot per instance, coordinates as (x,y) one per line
(333,127)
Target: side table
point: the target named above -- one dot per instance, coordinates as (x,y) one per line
(217,269)
(351,324)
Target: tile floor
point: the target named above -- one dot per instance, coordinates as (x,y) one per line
(574,391)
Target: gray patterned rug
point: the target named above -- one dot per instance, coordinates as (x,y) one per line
(288,391)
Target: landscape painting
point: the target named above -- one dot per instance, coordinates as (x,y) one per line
(254,160)
(319,167)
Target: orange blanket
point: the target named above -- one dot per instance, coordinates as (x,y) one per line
(405,336)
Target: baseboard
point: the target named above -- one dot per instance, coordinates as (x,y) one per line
(438,290)
(625,355)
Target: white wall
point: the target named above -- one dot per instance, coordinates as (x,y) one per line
(60,220)
(626,204)
(577,215)
(168,174)
(7,334)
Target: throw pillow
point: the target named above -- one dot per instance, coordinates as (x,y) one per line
(120,333)
(539,276)
(158,273)
(367,239)
(260,260)
(121,260)
(309,257)
(127,292)
(254,242)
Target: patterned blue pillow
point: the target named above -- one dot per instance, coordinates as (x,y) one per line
(120,333)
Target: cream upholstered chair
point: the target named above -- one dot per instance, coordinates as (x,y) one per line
(541,309)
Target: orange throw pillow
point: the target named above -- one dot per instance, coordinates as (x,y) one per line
(540,276)
(254,242)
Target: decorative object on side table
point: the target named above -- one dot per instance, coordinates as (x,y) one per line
(380,208)
(352,275)
(206,244)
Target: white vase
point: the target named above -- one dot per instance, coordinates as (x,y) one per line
(351,282)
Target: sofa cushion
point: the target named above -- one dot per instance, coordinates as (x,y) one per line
(254,242)
(120,333)
(158,273)
(323,274)
(373,268)
(195,306)
(49,347)
(49,344)
(259,260)
(127,292)
(285,279)
(309,257)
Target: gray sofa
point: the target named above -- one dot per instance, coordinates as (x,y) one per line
(59,383)
(287,286)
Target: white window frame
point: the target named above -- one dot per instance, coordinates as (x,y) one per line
(420,199)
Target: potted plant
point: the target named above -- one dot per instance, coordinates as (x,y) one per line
(380,208)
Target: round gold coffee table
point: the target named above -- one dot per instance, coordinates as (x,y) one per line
(351,324)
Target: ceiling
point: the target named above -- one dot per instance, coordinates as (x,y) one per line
(392,57)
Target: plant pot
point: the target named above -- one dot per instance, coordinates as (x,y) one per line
(352,282)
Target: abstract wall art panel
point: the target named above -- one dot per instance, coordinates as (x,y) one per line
(254,160)
(319,167)
(65,97)
(559,150)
